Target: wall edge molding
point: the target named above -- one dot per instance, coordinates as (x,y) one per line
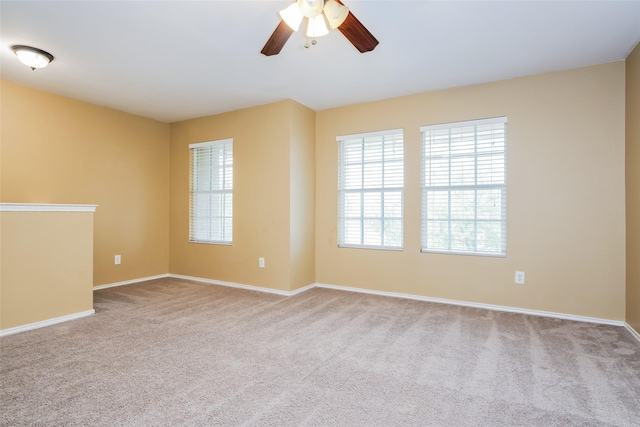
(632,331)
(492,307)
(302,289)
(242,286)
(45,207)
(44,323)
(130,282)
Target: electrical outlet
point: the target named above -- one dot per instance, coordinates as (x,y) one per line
(261,262)
(117,260)
(520,277)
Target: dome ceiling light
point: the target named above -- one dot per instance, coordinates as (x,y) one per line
(32,57)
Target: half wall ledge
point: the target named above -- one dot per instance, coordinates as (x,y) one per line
(46,267)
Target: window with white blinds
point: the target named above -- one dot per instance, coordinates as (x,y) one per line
(464,187)
(371,190)
(211,206)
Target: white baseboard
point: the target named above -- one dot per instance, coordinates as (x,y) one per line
(44,323)
(633,332)
(477,305)
(493,307)
(208,281)
(130,282)
(301,290)
(241,286)
(508,309)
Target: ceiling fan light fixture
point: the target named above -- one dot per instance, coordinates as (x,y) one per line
(317,11)
(317,27)
(336,13)
(311,8)
(32,57)
(292,16)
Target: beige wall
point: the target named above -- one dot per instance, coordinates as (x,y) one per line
(633,187)
(260,197)
(303,195)
(273,149)
(46,266)
(59,150)
(565,197)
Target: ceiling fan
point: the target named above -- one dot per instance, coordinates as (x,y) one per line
(318,13)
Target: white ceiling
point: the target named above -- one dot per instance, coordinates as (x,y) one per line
(174,60)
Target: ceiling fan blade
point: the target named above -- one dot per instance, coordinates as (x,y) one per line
(358,34)
(277,40)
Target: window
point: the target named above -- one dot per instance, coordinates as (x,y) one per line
(464,187)
(370,188)
(211,210)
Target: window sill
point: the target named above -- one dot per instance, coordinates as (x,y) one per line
(430,251)
(377,248)
(204,242)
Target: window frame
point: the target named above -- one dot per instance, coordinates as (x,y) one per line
(475,187)
(227,147)
(342,190)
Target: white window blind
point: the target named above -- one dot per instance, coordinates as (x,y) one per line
(211,210)
(371,190)
(464,187)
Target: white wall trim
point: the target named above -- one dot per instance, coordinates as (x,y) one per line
(241,286)
(43,323)
(301,290)
(45,207)
(633,332)
(493,307)
(130,282)
(478,305)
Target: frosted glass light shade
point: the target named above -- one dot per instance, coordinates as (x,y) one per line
(317,27)
(292,16)
(311,8)
(32,57)
(336,13)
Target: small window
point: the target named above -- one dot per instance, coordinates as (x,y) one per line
(211,205)
(464,195)
(371,190)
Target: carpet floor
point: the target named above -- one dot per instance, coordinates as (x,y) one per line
(171,352)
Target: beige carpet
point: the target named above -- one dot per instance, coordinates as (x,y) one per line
(171,352)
